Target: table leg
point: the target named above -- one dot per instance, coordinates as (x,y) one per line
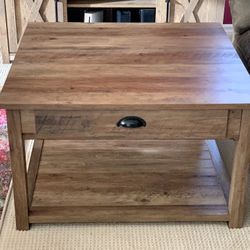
(18,166)
(238,188)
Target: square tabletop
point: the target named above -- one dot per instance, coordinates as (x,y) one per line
(77,66)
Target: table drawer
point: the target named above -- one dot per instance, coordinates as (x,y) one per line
(162,124)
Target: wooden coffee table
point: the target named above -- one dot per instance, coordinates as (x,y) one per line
(120,115)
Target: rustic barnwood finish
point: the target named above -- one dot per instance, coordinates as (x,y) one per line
(234,122)
(20,12)
(237,198)
(165,174)
(169,66)
(28,121)
(181,124)
(128,214)
(33,167)
(186,81)
(222,172)
(18,167)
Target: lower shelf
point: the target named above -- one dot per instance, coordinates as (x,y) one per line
(127,181)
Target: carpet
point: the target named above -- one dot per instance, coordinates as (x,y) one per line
(143,236)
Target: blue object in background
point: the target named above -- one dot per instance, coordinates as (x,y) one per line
(147,15)
(123,16)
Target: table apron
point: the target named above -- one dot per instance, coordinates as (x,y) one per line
(102,125)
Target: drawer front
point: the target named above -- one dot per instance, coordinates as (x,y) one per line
(162,124)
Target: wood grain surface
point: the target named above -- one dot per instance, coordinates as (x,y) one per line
(129,177)
(33,168)
(239,180)
(145,66)
(127,214)
(18,167)
(115,180)
(162,124)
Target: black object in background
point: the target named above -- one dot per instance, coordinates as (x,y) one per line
(147,15)
(76,14)
(115,15)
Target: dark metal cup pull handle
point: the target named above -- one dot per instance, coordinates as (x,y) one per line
(131,122)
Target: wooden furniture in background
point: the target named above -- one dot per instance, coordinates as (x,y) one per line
(4,46)
(14,17)
(185,80)
(197,11)
(180,10)
(159,5)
